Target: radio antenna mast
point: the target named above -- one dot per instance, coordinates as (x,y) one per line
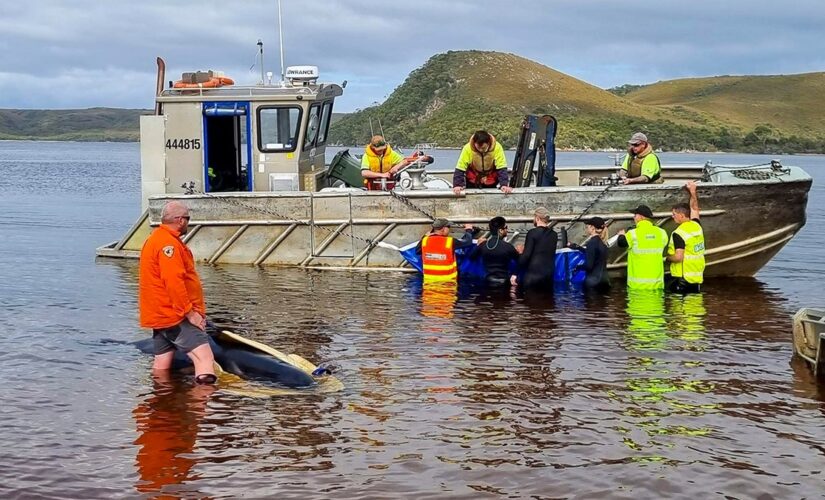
(281,37)
(261,51)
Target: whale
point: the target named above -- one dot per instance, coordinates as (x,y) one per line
(249,360)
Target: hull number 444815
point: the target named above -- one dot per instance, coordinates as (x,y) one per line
(183,143)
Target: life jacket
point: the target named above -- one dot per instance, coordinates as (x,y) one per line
(645,268)
(692,267)
(379,163)
(633,165)
(438,258)
(482,172)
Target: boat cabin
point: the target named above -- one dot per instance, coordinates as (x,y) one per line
(212,136)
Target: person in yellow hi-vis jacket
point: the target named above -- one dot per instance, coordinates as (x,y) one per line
(686,249)
(481,165)
(646,245)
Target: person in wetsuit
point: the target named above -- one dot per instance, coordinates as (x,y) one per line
(537,262)
(497,254)
(595,255)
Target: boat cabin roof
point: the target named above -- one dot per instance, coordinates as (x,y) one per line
(290,93)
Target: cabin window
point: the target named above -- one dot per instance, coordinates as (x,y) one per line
(278,128)
(326,118)
(312,126)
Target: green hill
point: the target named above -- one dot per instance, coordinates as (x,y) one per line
(785,105)
(94,124)
(455,93)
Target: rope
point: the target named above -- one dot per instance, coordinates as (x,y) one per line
(751,172)
(747,167)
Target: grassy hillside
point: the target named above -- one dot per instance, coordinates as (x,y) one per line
(94,124)
(784,108)
(455,93)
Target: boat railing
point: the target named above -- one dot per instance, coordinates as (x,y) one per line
(244,91)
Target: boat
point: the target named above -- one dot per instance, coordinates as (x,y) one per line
(249,161)
(809,338)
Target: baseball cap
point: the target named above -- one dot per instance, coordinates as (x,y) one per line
(596,222)
(637,138)
(643,210)
(439,223)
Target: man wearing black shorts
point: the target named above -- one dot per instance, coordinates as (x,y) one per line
(171,296)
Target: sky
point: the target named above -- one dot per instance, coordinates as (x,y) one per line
(89,53)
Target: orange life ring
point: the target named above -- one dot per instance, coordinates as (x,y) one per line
(215,81)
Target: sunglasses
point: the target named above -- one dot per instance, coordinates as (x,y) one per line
(187,217)
(379,144)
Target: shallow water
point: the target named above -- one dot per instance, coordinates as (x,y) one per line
(448,392)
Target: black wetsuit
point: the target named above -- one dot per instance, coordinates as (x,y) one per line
(538,261)
(595,264)
(497,256)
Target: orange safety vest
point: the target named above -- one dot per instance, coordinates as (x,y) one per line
(169,284)
(482,171)
(438,258)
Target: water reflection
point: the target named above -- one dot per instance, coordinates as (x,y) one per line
(686,319)
(167,423)
(663,395)
(646,326)
(438,299)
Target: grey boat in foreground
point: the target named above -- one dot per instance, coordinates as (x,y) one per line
(249,162)
(809,338)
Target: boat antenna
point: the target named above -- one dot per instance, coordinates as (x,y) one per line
(261,51)
(281,37)
(381,128)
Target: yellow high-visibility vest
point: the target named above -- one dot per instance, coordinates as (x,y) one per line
(692,268)
(645,268)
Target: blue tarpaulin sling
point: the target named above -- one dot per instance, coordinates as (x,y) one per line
(567,262)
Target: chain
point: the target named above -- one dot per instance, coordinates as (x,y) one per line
(190,189)
(406,201)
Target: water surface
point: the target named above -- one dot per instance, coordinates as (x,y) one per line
(453,393)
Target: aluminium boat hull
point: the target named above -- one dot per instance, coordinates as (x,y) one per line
(746,221)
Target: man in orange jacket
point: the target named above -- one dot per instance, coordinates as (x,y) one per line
(171,296)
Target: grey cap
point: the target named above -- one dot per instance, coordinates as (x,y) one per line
(439,223)
(637,138)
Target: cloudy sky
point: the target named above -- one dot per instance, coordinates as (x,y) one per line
(85,53)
